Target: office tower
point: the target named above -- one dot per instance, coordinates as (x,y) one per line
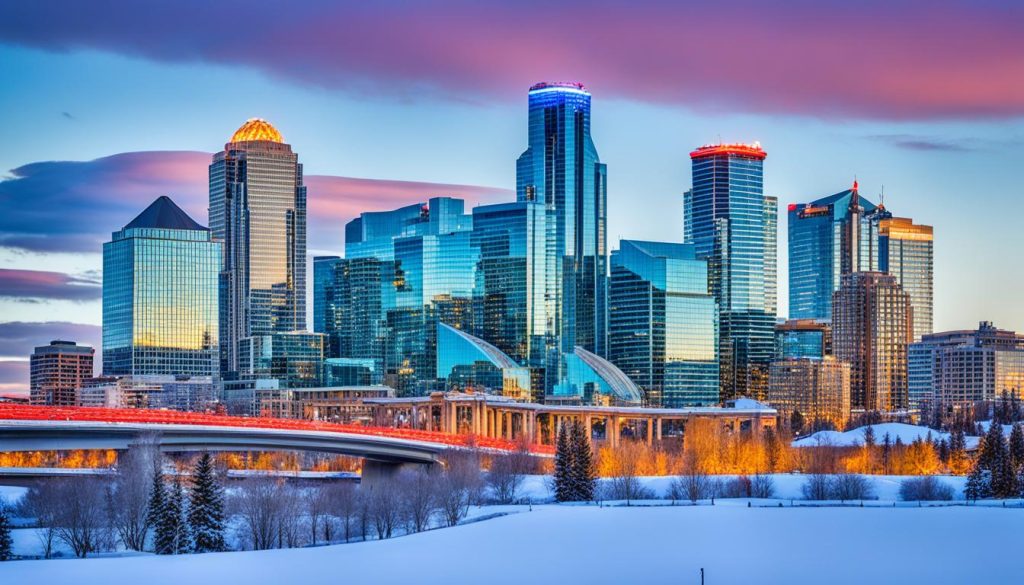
(56,371)
(591,379)
(470,363)
(906,252)
(802,338)
(348,299)
(258,211)
(871,326)
(160,286)
(324,268)
(560,169)
(828,238)
(663,323)
(813,393)
(294,359)
(959,368)
(427,269)
(727,219)
(510,239)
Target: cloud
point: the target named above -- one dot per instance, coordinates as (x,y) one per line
(35,285)
(18,338)
(103,195)
(925,143)
(919,59)
(14,378)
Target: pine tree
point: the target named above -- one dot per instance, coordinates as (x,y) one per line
(564,489)
(977,485)
(1017,446)
(886,452)
(163,540)
(991,445)
(176,518)
(1003,478)
(584,472)
(206,508)
(6,542)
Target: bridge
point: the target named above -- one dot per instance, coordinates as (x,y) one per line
(44,428)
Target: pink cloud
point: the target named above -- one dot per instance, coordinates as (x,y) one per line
(910,60)
(34,285)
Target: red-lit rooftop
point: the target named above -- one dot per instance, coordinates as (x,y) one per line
(746,150)
(558,84)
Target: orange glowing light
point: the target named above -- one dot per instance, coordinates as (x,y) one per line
(746,150)
(256,129)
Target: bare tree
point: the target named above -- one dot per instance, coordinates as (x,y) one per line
(80,520)
(345,505)
(459,486)
(317,501)
(128,496)
(694,484)
(507,472)
(289,519)
(625,483)
(384,507)
(42,503)
(257,502)
(418,496)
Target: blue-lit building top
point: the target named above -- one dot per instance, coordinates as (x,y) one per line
(731,224)
(561,170)
(160,296)
(470,363)
(820,238)
(663,323)
(802,338)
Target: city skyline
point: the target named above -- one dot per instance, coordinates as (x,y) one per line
(453,132)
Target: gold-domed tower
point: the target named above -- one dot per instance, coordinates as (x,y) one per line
(256,129)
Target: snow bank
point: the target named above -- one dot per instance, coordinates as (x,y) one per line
(855,437)
(587,544)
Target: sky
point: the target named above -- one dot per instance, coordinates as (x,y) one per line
(106,105)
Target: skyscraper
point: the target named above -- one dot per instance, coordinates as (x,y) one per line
(258,211)
(663,323)
(561,169)
(828,238)
(871,324)
(160,284)
(816,388)
(906,252)
(731,224)
(56,372)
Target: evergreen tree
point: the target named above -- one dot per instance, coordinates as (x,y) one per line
(206,508)
(6,542)
(772,449)
(176,518)
(163,540)
(584,471)
(991,445)
(886,452)
(977,485)
(943,450)
(1003,477)
(564,488)
(1017,446)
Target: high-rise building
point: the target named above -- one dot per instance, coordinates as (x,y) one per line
(347,306)
(57,370)
(258,211)
(816,388)
(802,338)
(731,224)
(510,239)
(470,363)
(871,325)
(324,270)
(294,359)
(959,368)
(906,252)
(160,306)
(663,323)
(828,238)
(561,170)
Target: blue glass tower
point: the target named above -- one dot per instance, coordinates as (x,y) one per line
(663,323)
(821,245)
(561,169)
(160,281)
(731,223)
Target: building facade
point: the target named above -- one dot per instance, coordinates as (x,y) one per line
(663,323)
(258,211)
(466,362)
(731,224)
(160,303)
(906,251)
(817,390)
(57,370)
(803,338)
(960,368)
(872,327)
(561,170)
(294,359)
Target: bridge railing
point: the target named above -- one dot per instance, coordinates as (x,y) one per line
(174,417)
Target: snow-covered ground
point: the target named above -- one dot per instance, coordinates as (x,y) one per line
(588,544)
(855,437)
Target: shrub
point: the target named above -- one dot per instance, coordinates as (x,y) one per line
(817,487)
(762,486)
(925,488)
(852,487)
(693,487)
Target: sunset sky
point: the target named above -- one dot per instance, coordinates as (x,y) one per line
(105,106)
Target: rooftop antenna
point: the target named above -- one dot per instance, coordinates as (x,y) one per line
(881,198)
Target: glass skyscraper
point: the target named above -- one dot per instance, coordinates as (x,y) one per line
(663,323)
(822,242)
(561,170)
(258,210)
(731,224)
(906,252)
(160,287)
